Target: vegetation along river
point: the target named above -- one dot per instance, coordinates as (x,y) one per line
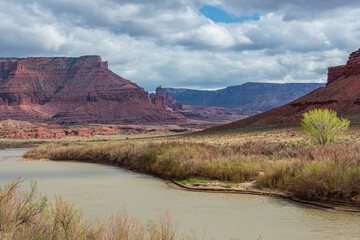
(100,190)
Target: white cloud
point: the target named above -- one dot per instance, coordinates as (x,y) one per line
(153,42)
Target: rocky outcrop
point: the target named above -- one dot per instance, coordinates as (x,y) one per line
(167,102)
(351,68)
(172,103)
(13,129)
(159,98)
(73,91)
(353,64)
(44,133)
(334,73)
(342,94)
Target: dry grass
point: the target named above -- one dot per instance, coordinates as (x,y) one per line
(328,173)
(19,144)
(169,160)
(29,216)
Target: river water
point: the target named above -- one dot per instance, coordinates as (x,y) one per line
(100,190)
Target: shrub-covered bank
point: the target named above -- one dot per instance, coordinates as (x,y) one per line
(329,173)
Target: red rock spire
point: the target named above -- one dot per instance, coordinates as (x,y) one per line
(159,98)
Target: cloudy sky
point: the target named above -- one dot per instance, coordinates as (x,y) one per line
(200,44)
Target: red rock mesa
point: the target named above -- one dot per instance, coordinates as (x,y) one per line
(73,91)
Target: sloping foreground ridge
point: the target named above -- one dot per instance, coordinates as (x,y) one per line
(73,91)
(342,94)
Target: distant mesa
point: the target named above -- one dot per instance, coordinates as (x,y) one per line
(231,103)
(77,90)
(342,94)
(234,102)
(251,97)
(193,112)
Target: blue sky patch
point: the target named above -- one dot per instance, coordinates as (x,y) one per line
(220,16)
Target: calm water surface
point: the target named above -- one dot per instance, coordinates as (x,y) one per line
(100,190)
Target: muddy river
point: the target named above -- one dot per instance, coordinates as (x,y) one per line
(101,190)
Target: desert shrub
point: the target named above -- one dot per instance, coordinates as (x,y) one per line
(279,175)
(29,216)
(323,125)
(316,180)
(18,211)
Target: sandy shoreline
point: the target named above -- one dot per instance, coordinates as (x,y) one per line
(34,160)
(248,189)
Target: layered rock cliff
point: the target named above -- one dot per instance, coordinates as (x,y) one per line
(351,68)
(342,94)
(73,91)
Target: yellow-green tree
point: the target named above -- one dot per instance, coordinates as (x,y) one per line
(323,125)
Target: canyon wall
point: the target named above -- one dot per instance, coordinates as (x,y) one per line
(341,94)
(77,90)
(351,68)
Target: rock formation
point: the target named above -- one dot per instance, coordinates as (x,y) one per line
(172,103)
(195,112)
(342,94)
(335,73)
(13,129)
(351,68)
(159,99)
(73,91)
(167,102)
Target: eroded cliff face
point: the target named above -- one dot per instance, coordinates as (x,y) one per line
(335,73)
(73,91)
(353,64)
(351,68)
(342,94)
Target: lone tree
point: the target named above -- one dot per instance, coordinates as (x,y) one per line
(323,125)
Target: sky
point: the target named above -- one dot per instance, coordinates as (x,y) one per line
(199,44)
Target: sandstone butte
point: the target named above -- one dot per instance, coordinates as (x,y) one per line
(342,94)
(79,91)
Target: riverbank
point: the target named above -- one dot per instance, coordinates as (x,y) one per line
(99,190)
(323,174)
(248,188)
(214,186)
